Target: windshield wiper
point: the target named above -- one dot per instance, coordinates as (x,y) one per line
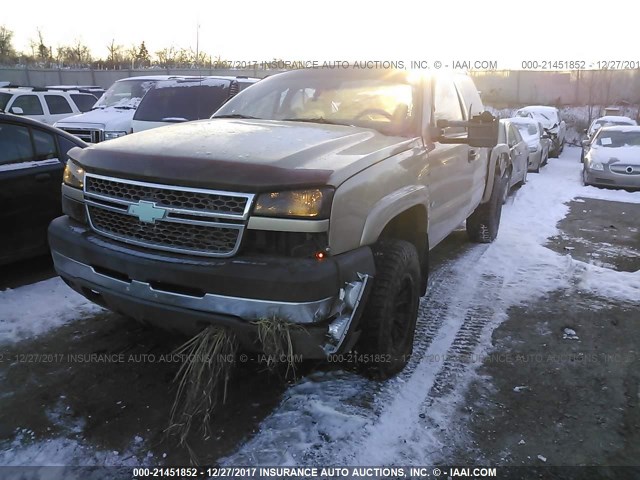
(316,120)
(236,115)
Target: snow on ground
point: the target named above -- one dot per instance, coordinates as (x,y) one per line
(32,310)
(345,419)
(25,450)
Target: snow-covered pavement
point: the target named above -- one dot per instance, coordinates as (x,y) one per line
(323,418)
(339,417)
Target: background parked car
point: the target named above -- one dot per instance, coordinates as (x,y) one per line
(606,121)
(112,114)
(612,159)
(96,90)
(186,99)
(537,140)
(550,119)
(509,134)
(46,105)
(32,159)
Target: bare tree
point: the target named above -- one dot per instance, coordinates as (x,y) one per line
(7,52)
(116,55)
(166,57)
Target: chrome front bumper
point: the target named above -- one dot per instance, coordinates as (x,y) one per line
(245,308)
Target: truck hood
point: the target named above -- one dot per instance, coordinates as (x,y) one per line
(110,118)
(244,155)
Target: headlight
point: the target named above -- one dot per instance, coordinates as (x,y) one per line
(73,175)
(596,166)
(112,135)
(314,203)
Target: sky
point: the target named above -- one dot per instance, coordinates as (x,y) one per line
(329,30)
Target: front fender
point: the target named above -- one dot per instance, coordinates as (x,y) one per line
(389,207)
(498,162)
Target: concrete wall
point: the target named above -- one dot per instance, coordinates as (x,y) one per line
(498,88)
(104,78)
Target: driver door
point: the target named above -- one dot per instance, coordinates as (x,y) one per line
(450,175)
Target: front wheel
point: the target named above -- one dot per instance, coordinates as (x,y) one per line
(389,318)
(484,222)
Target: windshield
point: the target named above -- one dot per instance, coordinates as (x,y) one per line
(382,101)
(614,139)
(527,129)
(549,117)
(4,99)
(125,94)
(182,101)
(608,123)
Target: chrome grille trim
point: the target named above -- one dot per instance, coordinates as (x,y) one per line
(206,232)
(89,135)
(624,169)
(248,197)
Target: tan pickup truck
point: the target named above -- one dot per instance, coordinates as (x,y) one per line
(313,196)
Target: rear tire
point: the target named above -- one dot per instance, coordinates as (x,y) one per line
(389,318)
(484,222)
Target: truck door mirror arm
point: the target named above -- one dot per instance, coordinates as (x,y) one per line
(482,131)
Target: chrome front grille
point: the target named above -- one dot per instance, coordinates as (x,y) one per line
(89,135)
(198,201)
(167,217)
(625,169)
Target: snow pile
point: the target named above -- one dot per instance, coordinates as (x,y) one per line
(35,309)
(24,450)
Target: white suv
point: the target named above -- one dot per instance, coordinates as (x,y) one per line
(46,105)
(112,115)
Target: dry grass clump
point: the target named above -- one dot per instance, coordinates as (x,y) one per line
(202,377)
(274,335)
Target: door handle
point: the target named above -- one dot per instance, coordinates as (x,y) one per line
(473,154)
(43,177)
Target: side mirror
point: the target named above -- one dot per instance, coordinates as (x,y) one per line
(585,143)
(545,135)
(585,131)
(16,110)
(482,130)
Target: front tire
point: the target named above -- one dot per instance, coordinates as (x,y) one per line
(484,222)
(389,318)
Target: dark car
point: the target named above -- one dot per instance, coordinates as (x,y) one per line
(186,99)
(32,159)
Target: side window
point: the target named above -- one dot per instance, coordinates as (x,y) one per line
(45,145)
(57,104)
(83,102)
(516,134)
(446,101)
(30,104)
(16,144)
